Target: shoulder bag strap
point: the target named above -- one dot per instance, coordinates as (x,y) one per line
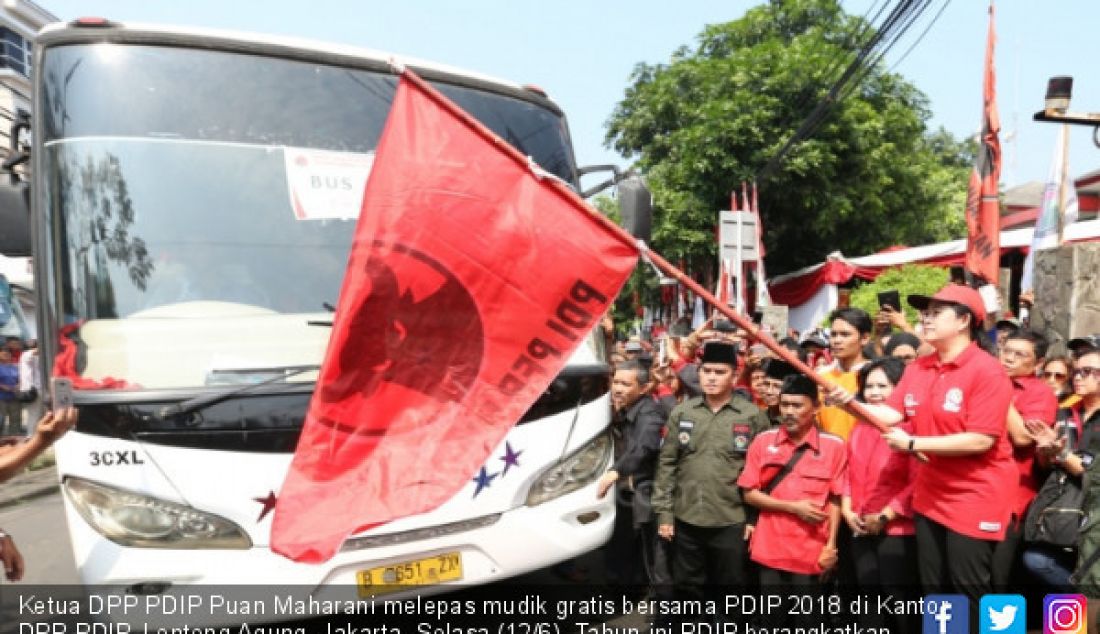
(786,470)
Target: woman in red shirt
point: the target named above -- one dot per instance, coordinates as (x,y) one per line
(877,502)
(957,402)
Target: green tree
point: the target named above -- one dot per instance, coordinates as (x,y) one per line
(911,279)
(871,176)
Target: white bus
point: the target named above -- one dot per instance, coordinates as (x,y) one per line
(194,195)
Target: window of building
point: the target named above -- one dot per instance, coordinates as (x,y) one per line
(16,52)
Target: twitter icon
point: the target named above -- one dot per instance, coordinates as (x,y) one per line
(1003,614)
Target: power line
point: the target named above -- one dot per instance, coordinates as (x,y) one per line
(842,57)
(921,36)
(871,66)
(900,19)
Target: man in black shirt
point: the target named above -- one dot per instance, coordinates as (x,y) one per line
(637,425)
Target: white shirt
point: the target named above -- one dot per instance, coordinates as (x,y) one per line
(28,371)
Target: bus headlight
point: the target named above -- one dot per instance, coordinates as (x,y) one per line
(139,521)
(577,470)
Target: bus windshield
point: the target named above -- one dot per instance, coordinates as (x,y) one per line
(202,203)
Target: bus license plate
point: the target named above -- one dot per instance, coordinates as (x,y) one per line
(430,570)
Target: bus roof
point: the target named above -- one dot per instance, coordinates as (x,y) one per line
(59,33)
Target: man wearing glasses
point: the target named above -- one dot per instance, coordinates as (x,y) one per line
(1021,352)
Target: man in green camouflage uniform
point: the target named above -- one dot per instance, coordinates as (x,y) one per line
(695,497)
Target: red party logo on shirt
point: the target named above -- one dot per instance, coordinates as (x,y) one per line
(953,400)
(911,405)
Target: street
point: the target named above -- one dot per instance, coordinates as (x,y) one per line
(39,530)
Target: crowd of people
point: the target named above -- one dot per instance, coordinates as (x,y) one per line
(20,402)
(733,468)
(24,431)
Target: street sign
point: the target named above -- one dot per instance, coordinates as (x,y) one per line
(730,223)
(774,318)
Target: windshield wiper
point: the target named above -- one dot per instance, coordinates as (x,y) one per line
(206,400)
(323,322)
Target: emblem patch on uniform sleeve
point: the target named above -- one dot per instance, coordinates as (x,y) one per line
(741,434)
(686,427)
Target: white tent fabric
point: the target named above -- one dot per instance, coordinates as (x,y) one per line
(1015,238)
(809,315)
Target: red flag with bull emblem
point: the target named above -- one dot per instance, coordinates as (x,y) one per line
(983,207)
(472,278)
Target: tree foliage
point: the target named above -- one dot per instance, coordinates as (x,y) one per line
(871,176)
(911,279)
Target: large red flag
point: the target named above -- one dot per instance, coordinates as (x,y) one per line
(983,210)
(472,277)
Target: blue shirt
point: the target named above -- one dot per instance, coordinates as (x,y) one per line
(9,377)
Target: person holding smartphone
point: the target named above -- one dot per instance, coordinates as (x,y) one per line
(890,320)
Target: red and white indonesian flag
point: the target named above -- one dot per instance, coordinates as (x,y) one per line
(471,280)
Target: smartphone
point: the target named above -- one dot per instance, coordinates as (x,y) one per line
(61,393)
(891,299)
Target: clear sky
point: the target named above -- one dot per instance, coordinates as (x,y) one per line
(582,52)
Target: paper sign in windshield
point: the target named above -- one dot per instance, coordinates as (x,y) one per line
(326,185)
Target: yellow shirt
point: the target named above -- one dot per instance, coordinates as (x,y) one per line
(836,420)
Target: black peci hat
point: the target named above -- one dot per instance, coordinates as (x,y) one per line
(719,352)
(777,368)
(799,384)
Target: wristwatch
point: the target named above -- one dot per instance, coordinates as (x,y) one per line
(882,518)
(1061,456)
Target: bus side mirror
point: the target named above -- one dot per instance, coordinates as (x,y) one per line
(636,207)
(15,218)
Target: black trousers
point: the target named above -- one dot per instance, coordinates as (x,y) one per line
(705,556)
(782,582)
(1005,555)
(772,578)
(951,562)
(657,560)
(887,565)
(620,554)
(884,561)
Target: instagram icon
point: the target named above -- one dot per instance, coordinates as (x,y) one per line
(1064,614)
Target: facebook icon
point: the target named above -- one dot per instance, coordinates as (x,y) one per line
(946,614)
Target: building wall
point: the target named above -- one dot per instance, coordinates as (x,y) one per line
(20,20)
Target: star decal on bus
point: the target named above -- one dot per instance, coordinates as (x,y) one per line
(483,480)
(269,505)
(510,457)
